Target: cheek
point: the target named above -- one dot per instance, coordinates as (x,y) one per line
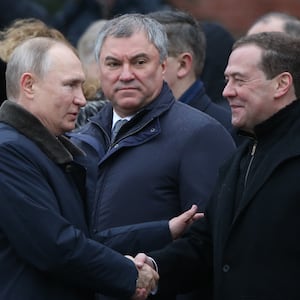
(156,75)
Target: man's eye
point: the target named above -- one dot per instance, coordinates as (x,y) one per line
(70,84)
(112,64)
(141,62)
(239,81)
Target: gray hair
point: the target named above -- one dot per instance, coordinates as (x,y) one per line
(128,24)
(31,56)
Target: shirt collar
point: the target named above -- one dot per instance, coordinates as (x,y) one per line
(191,92)
(116,118)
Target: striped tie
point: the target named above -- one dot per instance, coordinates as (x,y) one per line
(117,127)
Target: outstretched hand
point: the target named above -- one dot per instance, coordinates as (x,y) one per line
(179,224)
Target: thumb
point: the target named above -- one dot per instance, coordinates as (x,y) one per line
(140,259)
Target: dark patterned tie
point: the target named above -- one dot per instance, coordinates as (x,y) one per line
(117,127)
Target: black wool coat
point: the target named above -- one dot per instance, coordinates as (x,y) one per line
(249,239)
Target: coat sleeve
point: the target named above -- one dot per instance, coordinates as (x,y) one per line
(205,151)
(186,263)
(135,238)
(39,235)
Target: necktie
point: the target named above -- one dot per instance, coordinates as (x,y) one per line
(117,127)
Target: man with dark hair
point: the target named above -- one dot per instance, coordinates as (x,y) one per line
(185,62)
(248,240)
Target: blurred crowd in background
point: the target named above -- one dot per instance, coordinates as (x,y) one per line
(72,17)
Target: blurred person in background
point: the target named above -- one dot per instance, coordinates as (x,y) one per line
(92,85)
(276,21)
(186,57)
(17,32)
(219,43)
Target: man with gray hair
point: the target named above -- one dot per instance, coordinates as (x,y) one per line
(166,155)
(46,249)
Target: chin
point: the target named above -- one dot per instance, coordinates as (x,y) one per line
(69,128)
(236,123)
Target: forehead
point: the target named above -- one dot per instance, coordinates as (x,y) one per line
(63,56)
(64,64)
(246,57)
(126,46)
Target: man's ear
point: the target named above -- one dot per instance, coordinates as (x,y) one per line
(163,66)
(185,64)
(27,82)
(284,81)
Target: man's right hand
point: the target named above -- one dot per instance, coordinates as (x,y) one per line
(147,280)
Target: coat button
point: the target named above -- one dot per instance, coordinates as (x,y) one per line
(226,268)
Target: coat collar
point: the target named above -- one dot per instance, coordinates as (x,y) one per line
(59,149)
(279,122)
(277,140)
(195,91)
(160,104)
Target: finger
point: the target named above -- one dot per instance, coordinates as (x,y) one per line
(189,214)
(198,216)
(140,260)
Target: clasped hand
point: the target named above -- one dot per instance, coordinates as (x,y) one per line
(147,280)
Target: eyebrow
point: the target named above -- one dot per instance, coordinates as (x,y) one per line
(234,74)
(131,58)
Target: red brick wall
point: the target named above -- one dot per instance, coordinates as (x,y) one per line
(236,15)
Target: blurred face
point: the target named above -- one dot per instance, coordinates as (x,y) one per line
(58,97)
(130,72)
(171,71)
(250,95)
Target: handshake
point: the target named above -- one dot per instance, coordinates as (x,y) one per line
(147,281)
(147,278)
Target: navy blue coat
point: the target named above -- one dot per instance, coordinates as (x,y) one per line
(164,160)
(197,97)
(45,249)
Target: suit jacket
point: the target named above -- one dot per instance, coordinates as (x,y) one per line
(249,239)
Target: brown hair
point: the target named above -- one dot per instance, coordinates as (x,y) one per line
(23,29)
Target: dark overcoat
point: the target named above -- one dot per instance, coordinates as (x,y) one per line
(45,247)
(249,239)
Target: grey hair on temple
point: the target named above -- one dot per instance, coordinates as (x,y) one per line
(128,24)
